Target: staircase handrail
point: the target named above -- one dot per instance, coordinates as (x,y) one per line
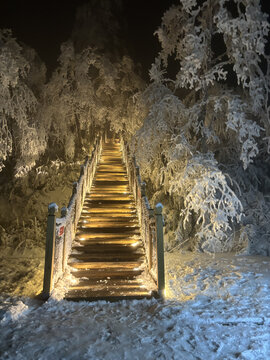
(150,220)
(61,231)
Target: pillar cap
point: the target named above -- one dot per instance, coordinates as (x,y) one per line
(52,208)
(158,208)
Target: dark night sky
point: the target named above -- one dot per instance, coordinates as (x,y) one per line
(45,24)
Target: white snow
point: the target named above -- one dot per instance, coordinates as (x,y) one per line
(15,312)
(216,307)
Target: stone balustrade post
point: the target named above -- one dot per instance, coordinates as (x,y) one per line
(49,254)
(160,249)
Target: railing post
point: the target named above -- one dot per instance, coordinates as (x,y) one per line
(82,170)
(143,189)
(49,254)
(160,249)
(150,241)
(74,187)
(74,192)
(82,191)
(64,212)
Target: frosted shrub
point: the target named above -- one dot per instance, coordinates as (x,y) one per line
(207,194)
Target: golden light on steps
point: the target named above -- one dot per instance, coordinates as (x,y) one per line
(108,229)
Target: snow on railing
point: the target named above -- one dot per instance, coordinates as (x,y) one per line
(61,231)
(150,220)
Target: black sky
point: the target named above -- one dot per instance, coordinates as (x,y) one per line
(44,25)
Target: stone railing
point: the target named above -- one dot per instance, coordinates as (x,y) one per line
(61,231)
(151,221)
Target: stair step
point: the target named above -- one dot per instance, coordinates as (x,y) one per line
(108,225)
(114,248)
(103,170)
(106,241)
(112,222)
(112,162)
(77,295)
(111,288)
(109,217)
(110,182)
(108,222)
(109,202)
(86,282)
(110,198)
(108,265)
(103,248)
(111,154)
(120,188)
(111,177)
(124,215)
(114,206)
(109,187)
(109,211)
(110,230)
(104,192)
(105,256)
(109,236)
(115,192)
(117,205)
(106,274)
(111,159)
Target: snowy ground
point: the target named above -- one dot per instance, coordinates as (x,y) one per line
(215,308)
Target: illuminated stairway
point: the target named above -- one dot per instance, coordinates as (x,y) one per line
(107,254)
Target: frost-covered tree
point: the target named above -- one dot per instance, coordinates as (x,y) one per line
(18,129)
(211,43)
(85,93)
(210,115)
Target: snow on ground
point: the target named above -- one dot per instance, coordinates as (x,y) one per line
(215,308)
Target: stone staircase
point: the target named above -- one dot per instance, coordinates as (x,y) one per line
(107,254)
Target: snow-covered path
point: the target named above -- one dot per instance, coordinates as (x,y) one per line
(216,308)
